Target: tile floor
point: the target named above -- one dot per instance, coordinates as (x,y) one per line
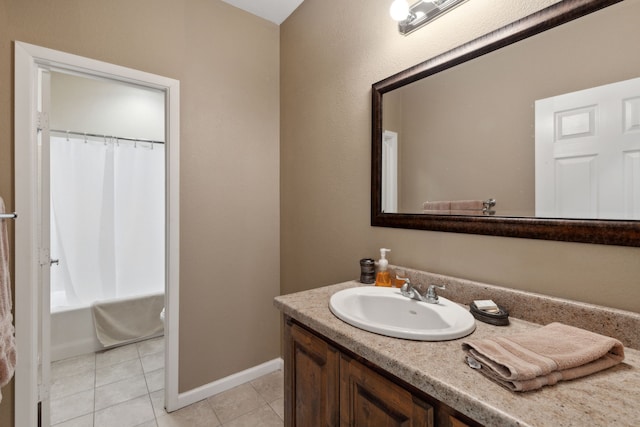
(124,387)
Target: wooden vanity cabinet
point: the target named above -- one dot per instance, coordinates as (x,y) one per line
(368,399)
(327,386)
(311,379)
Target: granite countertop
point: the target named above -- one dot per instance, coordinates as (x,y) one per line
(606,398)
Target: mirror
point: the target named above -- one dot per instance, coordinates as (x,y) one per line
(466,142)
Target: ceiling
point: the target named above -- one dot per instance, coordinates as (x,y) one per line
(275,11)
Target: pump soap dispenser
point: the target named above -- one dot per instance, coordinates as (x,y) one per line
(383,278)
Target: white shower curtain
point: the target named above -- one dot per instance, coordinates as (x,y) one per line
(107,220)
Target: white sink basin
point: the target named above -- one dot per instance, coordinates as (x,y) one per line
(387,312)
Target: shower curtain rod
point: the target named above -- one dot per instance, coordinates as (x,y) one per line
(95,135)
(8,215)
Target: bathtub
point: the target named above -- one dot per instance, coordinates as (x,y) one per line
(73,331)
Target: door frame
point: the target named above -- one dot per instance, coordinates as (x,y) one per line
(389,171)
(28,58)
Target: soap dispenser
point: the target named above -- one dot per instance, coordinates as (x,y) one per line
(383,278)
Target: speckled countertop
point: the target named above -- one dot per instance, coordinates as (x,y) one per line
(608,398)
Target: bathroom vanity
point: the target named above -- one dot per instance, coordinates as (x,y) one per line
(339,375)
(328,385)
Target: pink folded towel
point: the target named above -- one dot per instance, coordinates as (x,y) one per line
(453,212)
(437,211)
(454,205)
(531,360)
(465,205)
(7,339)
(466,212)
(436,206)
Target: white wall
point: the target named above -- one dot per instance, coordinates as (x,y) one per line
(106,107)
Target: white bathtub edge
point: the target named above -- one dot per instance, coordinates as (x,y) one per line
(72,334)
(197,394)
(75,348)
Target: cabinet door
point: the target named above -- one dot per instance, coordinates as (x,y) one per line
(455,422)
(311,380)
(369,399)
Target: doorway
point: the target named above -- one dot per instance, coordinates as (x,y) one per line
(33,65)
(107,229)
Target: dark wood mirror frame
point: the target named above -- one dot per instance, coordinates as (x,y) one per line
(606,232)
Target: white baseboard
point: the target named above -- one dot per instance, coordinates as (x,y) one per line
(224,384)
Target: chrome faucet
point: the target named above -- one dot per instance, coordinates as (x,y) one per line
(431,296)
(409,291)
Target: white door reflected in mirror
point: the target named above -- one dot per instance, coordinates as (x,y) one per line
(389,172)
(588,153)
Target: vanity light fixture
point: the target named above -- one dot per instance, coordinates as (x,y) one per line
(410,18)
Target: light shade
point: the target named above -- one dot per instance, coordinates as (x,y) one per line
(399,10)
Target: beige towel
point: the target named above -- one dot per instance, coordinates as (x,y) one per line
(437,211)
(127,320)
(7,339)
(467,212)
(459,206)
(467,205)
(436,206)
(453,212)
(530,360)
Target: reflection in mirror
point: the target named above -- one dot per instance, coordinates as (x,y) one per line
(587,159)
(515,116)
(474,130)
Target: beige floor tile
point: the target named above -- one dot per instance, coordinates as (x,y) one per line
(278,407)
(72,406)
(116,355)
(120,371)
(120,391)
(157,400)
(127,414)
(83,421)
(72,384)
(154,345)
(152,362)
(73,366)
(129,392)
(263,417)
(155,380)
(199,414)
(236,402)
(270,386)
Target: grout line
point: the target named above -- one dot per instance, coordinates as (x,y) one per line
(148,394)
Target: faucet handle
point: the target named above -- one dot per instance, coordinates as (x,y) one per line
(431,295)
(407,281)
(406,289)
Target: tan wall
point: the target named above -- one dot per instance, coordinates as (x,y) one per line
(228,65)
(331,53)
